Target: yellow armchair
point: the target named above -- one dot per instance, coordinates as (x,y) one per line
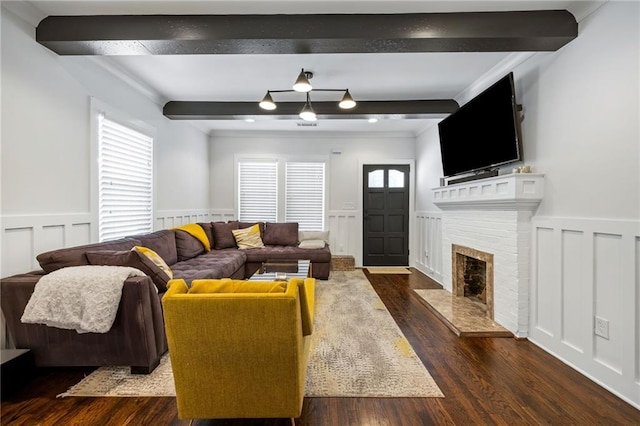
(239,349)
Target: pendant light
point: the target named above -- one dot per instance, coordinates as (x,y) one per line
(267,102)
(307,113)
(302,83)
(347,101)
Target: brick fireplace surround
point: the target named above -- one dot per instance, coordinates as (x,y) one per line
(493,215)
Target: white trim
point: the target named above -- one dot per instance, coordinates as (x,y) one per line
(107,63)
(498,71)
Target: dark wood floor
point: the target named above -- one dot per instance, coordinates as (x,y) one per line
(486,381)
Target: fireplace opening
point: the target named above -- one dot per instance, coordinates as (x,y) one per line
(472,276)
(475,279)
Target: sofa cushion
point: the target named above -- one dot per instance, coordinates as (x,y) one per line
(281,234)
(215,264)
(75,256)
(208,229)
(311,244)
(236,286)
(196,231)
(322,255)
(131,258)
(248,237)
(187,246)
(222,235)
(162,242)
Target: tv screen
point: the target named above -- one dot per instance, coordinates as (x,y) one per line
(484,133)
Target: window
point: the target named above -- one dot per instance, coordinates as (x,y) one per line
(304,189)
(279,191)
(376,179)
(258,191)
(125,180)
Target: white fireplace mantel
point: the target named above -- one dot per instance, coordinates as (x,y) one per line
(493,215)
(517,191)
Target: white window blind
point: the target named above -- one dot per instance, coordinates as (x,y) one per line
(258,191)
(125,180)
(304,186)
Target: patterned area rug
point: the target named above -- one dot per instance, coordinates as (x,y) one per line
(357,350)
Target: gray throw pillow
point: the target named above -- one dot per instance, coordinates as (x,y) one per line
(222,235)
(281,234)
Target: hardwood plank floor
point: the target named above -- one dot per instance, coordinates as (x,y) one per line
(486,381)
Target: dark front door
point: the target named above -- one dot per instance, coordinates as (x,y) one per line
(386,215)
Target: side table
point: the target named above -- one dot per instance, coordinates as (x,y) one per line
(17,370)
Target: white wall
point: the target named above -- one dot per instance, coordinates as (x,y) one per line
(581,129)
(47,162)
(343,173)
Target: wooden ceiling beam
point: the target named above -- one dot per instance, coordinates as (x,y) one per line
(188,110)
(542,30)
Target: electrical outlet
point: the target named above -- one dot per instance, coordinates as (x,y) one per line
(602,327)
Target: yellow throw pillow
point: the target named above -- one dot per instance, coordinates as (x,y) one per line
(248,237)
(155,258)
(198,232)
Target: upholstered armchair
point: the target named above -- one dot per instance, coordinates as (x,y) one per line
(239,349)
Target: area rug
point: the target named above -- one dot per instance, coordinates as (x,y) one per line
(388,270)
(357,350)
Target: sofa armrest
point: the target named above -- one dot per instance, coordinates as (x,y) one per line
(136,338)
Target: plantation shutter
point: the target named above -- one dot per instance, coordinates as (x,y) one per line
(125,180)
(258,191)
(304,188)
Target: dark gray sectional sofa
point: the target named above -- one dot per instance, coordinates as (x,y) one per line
(137,337)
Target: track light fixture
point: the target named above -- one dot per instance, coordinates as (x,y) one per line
(303,85)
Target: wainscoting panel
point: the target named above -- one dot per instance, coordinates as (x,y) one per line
(167,219)
(608,298)
(573,279)
(343,233)
(24,237)
(584,270)
(427,252)
(548,283)
(636,310)
(18,254)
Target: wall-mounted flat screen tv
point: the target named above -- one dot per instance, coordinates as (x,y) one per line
(484,133)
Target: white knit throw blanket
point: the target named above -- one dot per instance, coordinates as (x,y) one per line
(81,298)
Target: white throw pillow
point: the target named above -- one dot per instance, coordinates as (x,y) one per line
(311,244)
(314,235)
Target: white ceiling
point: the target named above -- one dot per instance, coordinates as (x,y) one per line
(247,77)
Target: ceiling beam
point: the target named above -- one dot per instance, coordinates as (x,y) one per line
(186,110)
(542,30)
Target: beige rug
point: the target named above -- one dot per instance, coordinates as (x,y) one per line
(357,350)
(388,270)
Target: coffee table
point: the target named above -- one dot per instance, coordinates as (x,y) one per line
(282,270)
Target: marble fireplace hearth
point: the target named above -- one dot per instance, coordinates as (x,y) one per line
(462,316)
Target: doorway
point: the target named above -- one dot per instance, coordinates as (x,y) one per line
(385,215)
